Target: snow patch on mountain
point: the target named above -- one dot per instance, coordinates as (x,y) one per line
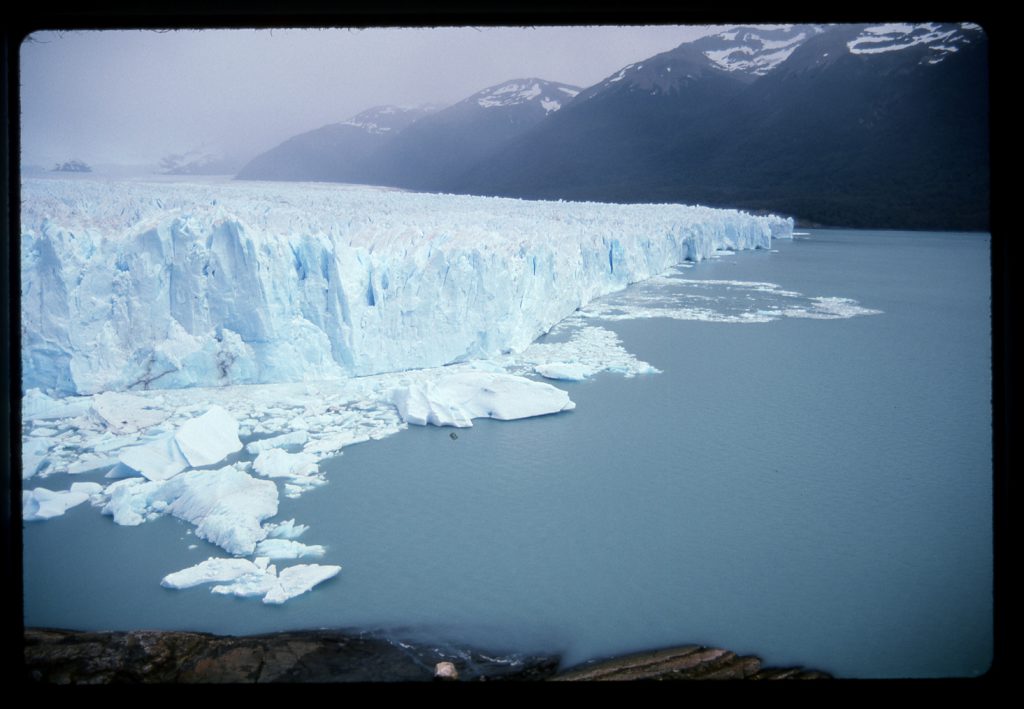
(522,91)
(941,39)
(383,120)
(754,50)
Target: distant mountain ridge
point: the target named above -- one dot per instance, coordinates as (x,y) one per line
(338,152)
(880,125)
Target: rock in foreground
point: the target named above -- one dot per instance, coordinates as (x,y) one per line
(70,657)
(684,662)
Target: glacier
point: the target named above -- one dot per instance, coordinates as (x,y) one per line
(135,285)
(163,324)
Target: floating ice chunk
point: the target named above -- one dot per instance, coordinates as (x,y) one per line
(296,580)
(108,442)
(456,399)
(89,489)
(287,549)
(89,462)
(276,463)
(210,571)
(125,413)
(121,471)
(593,349)
(299,424)
(295,438)
(131,501)
(33,454)
(226,505)
(421,404)
(569,371)
(37,405)
(286,530)
(299,469)
(278,588)
(333,441)
(159,459)
(209,438)
(257,583)
(43,504)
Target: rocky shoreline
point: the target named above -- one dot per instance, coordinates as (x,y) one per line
(55,656)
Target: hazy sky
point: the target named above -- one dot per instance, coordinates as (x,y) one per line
(136,96)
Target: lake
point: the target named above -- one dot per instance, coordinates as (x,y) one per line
(808,479)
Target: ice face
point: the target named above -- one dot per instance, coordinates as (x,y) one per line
(135,286)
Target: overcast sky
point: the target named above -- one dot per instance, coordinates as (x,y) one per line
(135,96)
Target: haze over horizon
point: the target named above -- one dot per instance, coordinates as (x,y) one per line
(132,97)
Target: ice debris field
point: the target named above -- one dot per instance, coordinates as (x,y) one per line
(163,323)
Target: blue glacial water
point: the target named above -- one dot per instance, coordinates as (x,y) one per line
(813,491)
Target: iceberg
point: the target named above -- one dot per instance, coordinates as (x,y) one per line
(209,438)
(210,571)
(227,506)
(252,578)
(287,549)
(276,463)
(204,440)
(132,501)
(286,530)
(457,399)
(569,371)
(124,413)
(296,580)
(42,504)
(283,440)
(158,459)
(33,455)
(257,583)
(135,285)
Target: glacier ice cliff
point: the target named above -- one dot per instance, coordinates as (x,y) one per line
(135,285)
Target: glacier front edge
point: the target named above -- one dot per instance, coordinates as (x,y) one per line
(135,285)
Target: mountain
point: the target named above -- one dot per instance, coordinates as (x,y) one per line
(855,125)
(338,152)
(850,125)
(432,152)
(198,162)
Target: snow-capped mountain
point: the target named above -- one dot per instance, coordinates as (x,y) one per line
(744,52)
(432,152)
(857,125)
(754,50)
(421,147)
(336,152)
(536,92)
(388,120)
